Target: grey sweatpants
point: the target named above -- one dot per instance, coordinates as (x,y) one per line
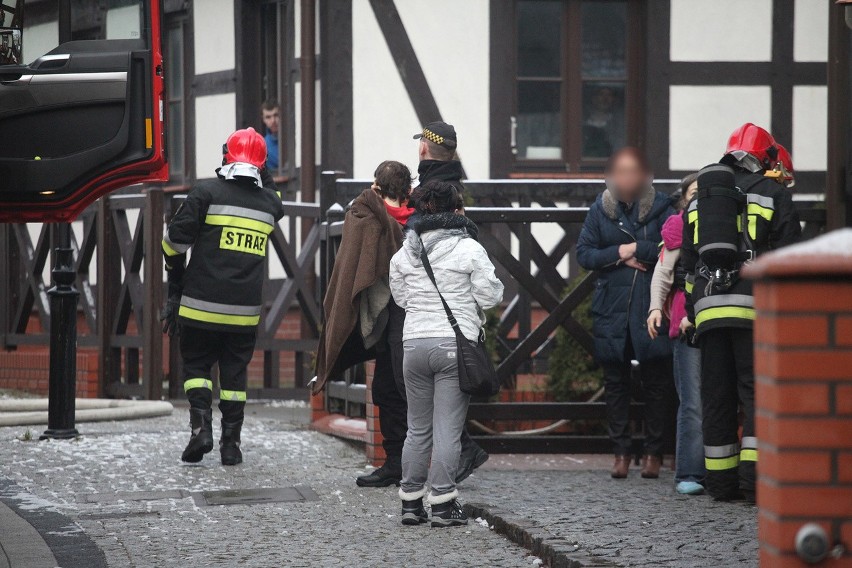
(437,409)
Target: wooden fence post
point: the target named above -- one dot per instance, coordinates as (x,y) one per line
(109,281)
(152,337)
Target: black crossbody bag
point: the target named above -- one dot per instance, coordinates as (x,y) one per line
(477,375)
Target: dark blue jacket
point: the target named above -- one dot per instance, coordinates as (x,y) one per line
(623,294)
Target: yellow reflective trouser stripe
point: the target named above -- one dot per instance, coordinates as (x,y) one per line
(238,396)
(211,317)
(747,455)
(167,248)
(719,464)
(723,312)
(240,222)
(197,384)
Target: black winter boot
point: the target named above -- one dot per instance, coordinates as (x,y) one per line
(472,456)
(229,443)
(389,474)
(201,441)
(448,514)
(413,512)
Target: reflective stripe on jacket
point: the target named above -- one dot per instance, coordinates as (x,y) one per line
(227,224)
(772,223)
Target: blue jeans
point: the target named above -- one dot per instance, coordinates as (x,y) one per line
(689,459)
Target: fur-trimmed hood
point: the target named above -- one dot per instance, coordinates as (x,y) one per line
(609,202)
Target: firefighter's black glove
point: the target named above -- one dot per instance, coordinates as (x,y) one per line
(169,313)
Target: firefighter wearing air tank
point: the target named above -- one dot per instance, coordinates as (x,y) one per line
(742,210)
(215,301)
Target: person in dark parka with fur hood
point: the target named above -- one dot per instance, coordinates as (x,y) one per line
(619,240)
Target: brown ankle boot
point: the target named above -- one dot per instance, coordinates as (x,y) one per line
(620,467)
(651,467)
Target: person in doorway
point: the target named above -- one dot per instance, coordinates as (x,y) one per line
(668,302)
(619,240)
(271,112)
(439,162)
(741,211)
(437,408)
(216,300)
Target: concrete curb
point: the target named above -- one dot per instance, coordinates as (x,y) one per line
(33,411)
(21,544)
(554,551)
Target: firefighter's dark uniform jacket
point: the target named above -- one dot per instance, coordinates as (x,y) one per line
(772,223)
(227,223)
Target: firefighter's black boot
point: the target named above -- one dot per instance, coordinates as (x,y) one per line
(201,441)
(229,444)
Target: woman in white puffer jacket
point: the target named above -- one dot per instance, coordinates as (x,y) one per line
(436,406)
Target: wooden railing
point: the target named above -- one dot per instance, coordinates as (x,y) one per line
(529,227)
(515,218)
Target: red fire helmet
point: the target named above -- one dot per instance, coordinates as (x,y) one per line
(247,146)
(755,141)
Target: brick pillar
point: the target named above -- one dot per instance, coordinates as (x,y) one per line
(318,410)
(375,451)
(803,367)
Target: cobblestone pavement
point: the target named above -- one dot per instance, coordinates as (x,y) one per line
(93,480)
(632,522)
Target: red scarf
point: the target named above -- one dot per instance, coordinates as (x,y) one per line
(401,213)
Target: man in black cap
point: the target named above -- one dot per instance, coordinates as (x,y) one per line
(438,144)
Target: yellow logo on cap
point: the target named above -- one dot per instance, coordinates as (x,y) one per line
(429,135)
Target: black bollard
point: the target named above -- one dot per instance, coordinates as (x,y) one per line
(63,340)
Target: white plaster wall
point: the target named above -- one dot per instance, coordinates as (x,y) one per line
(383,119)
(810,30)
(453,52)
(810,128)
(721,30)
(39,39)
(215,120)
(702,118)
(123,23)
(214,35)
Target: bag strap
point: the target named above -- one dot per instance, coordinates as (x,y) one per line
(428,266)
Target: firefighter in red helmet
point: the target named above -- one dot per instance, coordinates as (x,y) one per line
(739,213)
(215,301)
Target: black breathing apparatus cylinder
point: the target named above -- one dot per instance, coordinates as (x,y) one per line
(720,205)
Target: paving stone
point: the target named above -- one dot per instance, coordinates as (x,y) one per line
(346,526)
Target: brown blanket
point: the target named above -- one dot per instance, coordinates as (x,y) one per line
(370,238)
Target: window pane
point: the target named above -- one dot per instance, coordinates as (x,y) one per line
(603,119)
(604,39)
(539,134)
(175,140)
(124,19)
(539,39)
(174,62)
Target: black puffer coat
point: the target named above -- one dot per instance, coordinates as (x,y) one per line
(622,294)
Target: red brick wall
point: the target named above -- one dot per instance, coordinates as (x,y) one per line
(803,365)
(27,369)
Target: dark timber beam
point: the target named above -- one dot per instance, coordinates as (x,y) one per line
(336,94)
(406,61)
(838,199)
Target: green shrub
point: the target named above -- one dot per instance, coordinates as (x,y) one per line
(574,375)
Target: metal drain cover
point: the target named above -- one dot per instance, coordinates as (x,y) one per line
(134,496)
(255,496)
